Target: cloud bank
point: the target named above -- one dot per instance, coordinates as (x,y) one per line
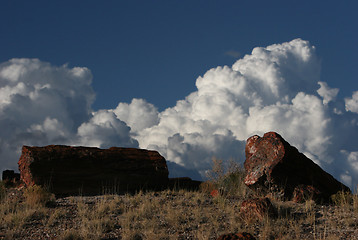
(275,88)
(41,104)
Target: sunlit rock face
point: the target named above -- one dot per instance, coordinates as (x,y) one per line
(67,170)
(273,166)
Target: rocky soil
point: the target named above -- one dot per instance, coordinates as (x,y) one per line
(168,215)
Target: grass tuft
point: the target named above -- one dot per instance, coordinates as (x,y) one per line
(37,196)
(342,199)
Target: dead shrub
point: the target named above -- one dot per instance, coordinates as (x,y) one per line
(342,199)
(207,187)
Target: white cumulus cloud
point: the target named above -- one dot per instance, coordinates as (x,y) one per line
(328,94)
(352,103)
(105,130)
(260,92)
(138,114)
(42,104)
(275,88)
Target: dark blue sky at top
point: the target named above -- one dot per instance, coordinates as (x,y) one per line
(156,49)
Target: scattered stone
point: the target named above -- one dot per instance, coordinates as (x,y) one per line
(236,236)
(214,193)
(258,208)
(67,170)
(275,167)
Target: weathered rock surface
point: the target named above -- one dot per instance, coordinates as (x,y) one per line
(258,209)
(273,166)
(236,236)
(69,170)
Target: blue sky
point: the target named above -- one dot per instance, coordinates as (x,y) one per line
(148,74)
(156,49)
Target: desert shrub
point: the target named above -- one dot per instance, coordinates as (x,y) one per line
(342,199)
(233,182)
(37,195)
(207,187)
(227,180)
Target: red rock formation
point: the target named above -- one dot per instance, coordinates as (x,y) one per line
(274,166)
(236,236)
(258,209)
(85,170)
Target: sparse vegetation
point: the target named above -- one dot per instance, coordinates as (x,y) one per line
(227,179)
(171,214)
(343,199)
(37,195)
(2,190)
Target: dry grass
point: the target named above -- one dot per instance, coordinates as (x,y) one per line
(37,196)
(15,213)
(172,214)
(2,190)
(169,215)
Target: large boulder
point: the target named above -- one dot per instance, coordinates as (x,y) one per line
(67,170)
(273,166)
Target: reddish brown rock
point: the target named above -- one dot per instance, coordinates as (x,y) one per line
(258,209)
(273,166)
(303,193)
(236,236)
(215,193)
(69,170)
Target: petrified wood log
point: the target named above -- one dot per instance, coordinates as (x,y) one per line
(272,165)
(67,170)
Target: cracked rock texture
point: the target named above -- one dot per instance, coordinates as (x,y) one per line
(67,170)
(273,166)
